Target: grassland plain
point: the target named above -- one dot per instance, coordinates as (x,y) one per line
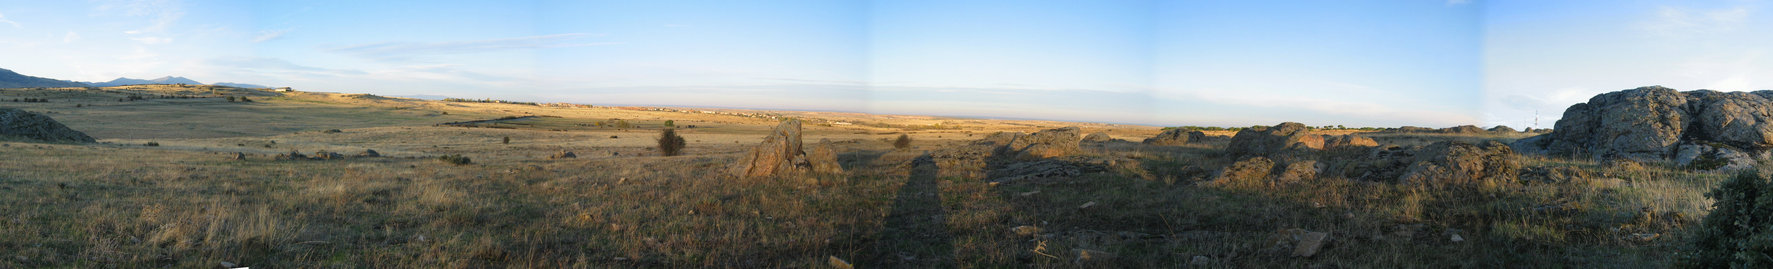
(187,203)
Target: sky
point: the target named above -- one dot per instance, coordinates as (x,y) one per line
(1168,63)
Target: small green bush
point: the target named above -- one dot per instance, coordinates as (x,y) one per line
(1738,233)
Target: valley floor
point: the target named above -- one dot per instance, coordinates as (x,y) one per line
(188,203)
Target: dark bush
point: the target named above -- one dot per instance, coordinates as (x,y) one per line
(1739,231)
(904,142)
(507,140)
(669,143)
(456,159)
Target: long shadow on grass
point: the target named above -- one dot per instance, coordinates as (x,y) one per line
(916,231)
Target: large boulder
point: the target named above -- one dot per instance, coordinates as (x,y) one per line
(781,153)
(1288,136)
(1658,123)
(1043,144)
(24,124)
(1463,129)
(1171,137)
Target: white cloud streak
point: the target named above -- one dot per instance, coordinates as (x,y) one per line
(14,24)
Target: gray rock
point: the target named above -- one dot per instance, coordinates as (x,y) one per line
(1285,137)
(20,123)
(1299,171)
(822,158)
(1097,137)
(1171,137)
(1254,169)
(1712,157)
(1642,124)
(775,154)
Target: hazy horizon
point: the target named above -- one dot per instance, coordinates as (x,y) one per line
(1165,63)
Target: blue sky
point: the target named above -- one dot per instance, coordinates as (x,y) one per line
(1189,62)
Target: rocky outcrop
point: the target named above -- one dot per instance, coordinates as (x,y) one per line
(1171,137)
(1098,137)
(1463,129)
(780,153)
(1254,169)
(1341,141)
(1285,137)
(1503,129)
(1043,144)
(1658,123)
(1447,163)
(1299,171)
(24,124)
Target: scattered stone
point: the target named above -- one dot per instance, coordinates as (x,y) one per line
(1025,230)
(291,156)
(839,263)
(1087,205)
(1200,261)
(1310,243)
(369,153)
(1040,169)
(1097,137)
(1171,137)
(1282,138)
(239,156)
(20,123)
(1029,193)
(326,155)
(1092,256)
(563,155)
(229,265)
(1456,238)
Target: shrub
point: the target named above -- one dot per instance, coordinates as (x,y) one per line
(1738,233)
(669,123)
(903,142)
(456,159)
(669,143)
(507,140)
(230,99)
(152,144)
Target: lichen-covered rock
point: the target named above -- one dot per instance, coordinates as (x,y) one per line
(1339,141)
(1299,171)
(1719,130)
(775,154)
(1285,137)
(1097,137)
(1171,137)
(1254,169)
(782,153)
(822,158)
(1642,124)
(24,124)
(1446,163)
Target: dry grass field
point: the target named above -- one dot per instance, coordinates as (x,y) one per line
(186,203)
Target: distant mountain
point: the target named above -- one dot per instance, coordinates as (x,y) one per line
(241,85)
(161,80)
(9,79)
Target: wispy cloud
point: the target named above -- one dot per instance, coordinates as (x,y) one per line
(407,51)
(14,24)
(261,64)
(268,35)
(1681,22)
(161,13)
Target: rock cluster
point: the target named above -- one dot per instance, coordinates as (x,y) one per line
(1006,156)
(1439,164)
(1716,130)
(20,123)
(321,155)
(781,153)
(1175,137)
(1043,144)
(1285,137)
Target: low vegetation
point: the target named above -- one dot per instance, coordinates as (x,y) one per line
(670,144)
